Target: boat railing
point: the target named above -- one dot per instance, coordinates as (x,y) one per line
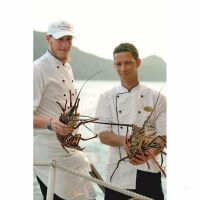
(52,177)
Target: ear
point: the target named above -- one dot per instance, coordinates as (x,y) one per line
(138,61)
(48,37)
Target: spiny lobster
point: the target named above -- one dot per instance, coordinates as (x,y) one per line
(145,138)
(71,118)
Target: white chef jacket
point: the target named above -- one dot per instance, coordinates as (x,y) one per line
(52,82)
(118,105)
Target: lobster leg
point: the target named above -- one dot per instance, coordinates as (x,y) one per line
(157,164)
(64,148)
(84,122)
(85,139)
(77,106)
(70,95)
(63,109)
(117,166)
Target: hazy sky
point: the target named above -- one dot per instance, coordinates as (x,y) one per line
(100,25)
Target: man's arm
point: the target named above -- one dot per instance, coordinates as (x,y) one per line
(56,125)
(40,121)
(111,139)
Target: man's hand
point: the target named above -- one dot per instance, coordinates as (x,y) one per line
(143,157)
(60,128)
(138,159)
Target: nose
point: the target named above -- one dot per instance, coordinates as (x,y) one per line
(66,43)
(123,67)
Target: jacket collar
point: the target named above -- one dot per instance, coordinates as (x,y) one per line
(121,89)
(54,59)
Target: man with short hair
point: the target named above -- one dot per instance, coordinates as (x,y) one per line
(131,103)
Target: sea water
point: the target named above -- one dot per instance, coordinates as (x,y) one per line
(95,151)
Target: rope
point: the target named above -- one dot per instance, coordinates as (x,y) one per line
(97,181)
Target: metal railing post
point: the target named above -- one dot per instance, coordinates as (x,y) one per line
(51,180)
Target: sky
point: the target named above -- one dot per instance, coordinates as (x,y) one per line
(100,25)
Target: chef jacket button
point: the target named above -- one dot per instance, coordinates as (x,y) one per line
(63,81)
(117,96)
(121,127)
(120,111)
(139,111)
(64,95)
(142,95)
(58,67)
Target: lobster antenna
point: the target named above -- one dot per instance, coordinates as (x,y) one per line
(162,108)
(89,129)
(88,80)
(156,102)
(84,84)
(107,121)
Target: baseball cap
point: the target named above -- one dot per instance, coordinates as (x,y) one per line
(59,29)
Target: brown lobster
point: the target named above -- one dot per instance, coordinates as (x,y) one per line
(144,138)
(71,118)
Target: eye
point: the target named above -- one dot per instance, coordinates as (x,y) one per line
(69,39)
(128,62)
(117,64)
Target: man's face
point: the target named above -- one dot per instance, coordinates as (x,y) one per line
(60,48)
(126,66)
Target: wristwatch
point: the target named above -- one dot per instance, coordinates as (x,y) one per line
(49,124)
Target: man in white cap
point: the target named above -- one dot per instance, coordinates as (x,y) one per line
(53,78)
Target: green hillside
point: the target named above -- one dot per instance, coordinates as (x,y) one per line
(153,68)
